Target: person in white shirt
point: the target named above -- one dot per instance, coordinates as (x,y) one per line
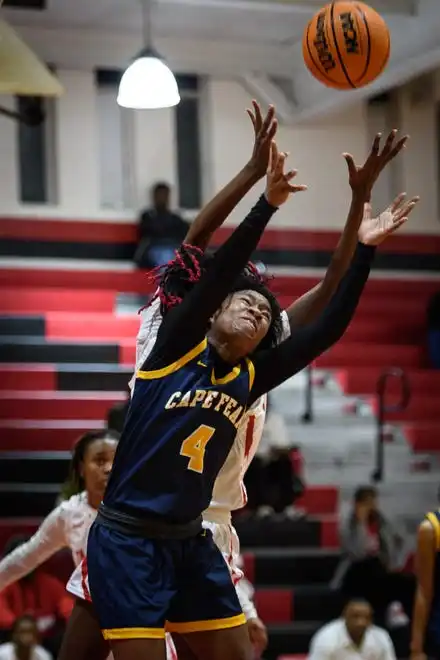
(353,637)
(24,644)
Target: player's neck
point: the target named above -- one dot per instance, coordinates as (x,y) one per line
(225,350)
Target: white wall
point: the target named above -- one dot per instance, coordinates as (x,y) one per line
(149,154)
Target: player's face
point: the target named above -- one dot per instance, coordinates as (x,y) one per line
(244,319)
(97,464)
(357,619)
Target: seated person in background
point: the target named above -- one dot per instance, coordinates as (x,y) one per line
(24,644)
(39,594)
(369,568)
(160,230)
(352,636)
(271,483)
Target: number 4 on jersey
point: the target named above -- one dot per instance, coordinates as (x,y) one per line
(194,447)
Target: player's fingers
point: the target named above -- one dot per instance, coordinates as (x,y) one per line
(389,142)
(279,167)
(273,155)
(405,210)
(376,144)
(298,188)
(396,226)
(257,113)
(272,130)
(397,201)
(253,120)
(401,144)
(269,116)
(350,164)
(291,174)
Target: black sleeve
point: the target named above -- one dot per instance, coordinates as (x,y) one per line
(186,324)
(276,365)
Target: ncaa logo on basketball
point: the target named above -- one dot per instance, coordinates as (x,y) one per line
(350,34)
(321,45)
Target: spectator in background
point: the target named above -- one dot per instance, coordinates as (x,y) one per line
(371,552)
(160,230)
(434,330)
(24,644)
(40,595)
(271,483)
(352,636)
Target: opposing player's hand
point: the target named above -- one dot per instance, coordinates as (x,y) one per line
(258,635)
(373,231)
(278,183)
(264,132)
(362,179)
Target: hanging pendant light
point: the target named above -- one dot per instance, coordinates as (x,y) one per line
(148,83)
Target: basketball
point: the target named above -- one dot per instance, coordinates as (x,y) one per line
(346,45)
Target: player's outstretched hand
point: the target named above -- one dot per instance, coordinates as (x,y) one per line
(264,132)
(278,183)
(373,231)
(362,179)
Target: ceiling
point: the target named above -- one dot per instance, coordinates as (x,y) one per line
(258,41)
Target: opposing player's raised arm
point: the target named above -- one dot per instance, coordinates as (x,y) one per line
(425,570)
(213,215)
(186,324)
(309,306)
(276,365)
(47,540)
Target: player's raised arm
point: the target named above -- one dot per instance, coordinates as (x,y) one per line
(275,365)
(186,324)
(361,179)
(213,215)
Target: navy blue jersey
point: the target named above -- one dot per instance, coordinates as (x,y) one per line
(179,430)
(434,617)
(188,402)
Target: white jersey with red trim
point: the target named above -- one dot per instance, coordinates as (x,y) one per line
(67,526)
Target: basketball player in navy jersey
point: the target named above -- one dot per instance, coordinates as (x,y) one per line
(149,563)
(425,639)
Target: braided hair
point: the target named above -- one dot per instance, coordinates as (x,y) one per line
(176,279)
(74,483)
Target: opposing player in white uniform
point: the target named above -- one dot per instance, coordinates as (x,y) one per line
(67,526)
(229,493)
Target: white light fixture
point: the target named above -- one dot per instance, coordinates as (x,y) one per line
(148,83)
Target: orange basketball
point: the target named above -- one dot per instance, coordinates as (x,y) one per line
(346,45)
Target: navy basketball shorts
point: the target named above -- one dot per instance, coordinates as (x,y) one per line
(141,587)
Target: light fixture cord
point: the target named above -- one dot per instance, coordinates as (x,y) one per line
(146,22)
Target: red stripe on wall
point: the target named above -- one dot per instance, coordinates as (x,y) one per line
(125,232)
(68,230)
